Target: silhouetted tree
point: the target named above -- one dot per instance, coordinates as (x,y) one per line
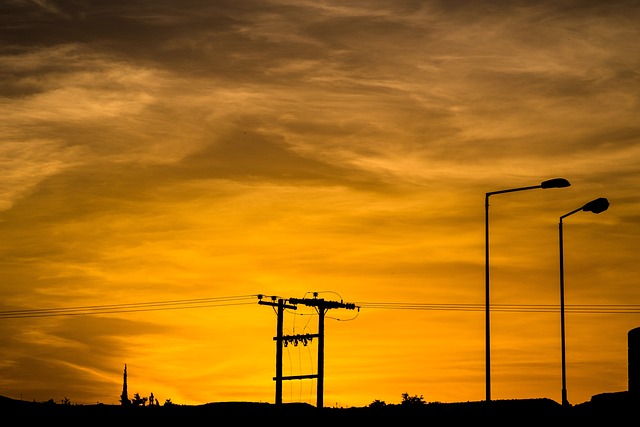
(412,400)
(138,401)
(377,404)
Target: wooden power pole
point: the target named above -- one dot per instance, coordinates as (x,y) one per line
(322,306)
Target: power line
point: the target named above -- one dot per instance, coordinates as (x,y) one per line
(521,308)
(130,307)
(250,299)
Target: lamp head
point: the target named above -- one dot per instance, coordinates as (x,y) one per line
(555,183)
(596,206)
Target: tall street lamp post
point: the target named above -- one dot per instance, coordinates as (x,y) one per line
(596,206)
(552,183)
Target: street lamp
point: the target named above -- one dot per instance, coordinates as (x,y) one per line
(551,183)
(596,206)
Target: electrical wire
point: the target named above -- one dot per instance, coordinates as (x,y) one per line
(250,299)
(130,307)
(521,308)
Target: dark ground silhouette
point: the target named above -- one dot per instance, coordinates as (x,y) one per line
(607,409)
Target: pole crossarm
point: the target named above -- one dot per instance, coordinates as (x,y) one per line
(295,339)
(296,377)
(275,304)
(321,303)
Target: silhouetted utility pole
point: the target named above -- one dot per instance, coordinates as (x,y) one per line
(279,342)
(322,306)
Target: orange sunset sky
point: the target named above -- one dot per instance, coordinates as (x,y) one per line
(164,162)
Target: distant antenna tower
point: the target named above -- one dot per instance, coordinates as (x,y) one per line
(281,340)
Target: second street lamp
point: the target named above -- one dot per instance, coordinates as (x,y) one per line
(596,206)
(551,183)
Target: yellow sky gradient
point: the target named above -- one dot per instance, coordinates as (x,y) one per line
(199,154)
